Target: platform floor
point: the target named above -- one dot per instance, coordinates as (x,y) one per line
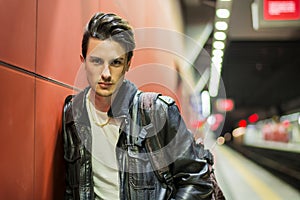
(242,179)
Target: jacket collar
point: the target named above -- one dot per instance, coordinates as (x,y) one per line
(120,106)
(123,100)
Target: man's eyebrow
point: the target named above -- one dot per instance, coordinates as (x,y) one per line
(117,58)
(120,58)
(94,56)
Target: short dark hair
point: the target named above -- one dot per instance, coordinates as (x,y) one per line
(103,26)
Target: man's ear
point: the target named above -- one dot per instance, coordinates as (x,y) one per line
(128,65)
(81,58)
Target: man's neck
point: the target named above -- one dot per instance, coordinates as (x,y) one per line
(101,103)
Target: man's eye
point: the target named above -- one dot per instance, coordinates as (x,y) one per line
(116,63)
(96,61)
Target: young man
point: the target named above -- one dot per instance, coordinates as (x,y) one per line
(120,143)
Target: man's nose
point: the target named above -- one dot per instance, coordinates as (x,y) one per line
(106,72)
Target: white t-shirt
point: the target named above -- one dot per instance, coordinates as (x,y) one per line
(104,163)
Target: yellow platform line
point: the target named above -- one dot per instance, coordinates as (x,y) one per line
(262,189)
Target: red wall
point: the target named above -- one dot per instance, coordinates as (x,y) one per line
(39,60)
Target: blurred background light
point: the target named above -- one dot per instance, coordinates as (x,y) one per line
(220,140)
(242,123)
(238,131)
(253,118)
(222,13)
(221,25)
(205,99)
(220,35)
(217,59)
(218,45)
(224,105)
(214,79)
(217,52)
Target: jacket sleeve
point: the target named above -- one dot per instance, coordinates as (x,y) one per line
(188,166)
(71,180)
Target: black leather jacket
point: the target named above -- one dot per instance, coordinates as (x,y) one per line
(188,170)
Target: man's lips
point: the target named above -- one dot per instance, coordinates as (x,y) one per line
(104,84)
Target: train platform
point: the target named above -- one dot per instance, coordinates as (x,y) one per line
(242,179)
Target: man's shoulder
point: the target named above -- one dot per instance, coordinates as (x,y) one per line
(147,98)
(73,101)
(76,98)
(166,99)
(68,99)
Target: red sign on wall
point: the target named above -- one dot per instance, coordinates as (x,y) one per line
(281,9)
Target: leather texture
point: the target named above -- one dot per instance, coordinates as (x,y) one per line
(168,143)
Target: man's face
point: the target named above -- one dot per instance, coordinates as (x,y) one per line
(105,65)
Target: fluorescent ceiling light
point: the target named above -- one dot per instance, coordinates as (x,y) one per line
(223,13)
(216,67)
(217,52)
(218,45)
(220,35)
(217,60)
(214,80)
(205,99)
(221,25)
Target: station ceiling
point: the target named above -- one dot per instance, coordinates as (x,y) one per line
(261,68)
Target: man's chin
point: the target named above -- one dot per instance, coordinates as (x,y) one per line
(104,94)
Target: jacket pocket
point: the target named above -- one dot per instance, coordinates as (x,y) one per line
(142,180)
(141,175)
